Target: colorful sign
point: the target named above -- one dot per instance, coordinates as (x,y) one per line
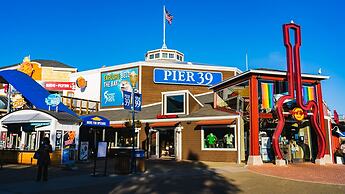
(59,86)
(31,69)
(17,101)
(186,77)
(267,95)
(69,138)
(298,114)
(308,93)
(53,100)
(81,83)
(113,84)
(95,121)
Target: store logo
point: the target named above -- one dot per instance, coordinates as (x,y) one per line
(109,97)
(81,83)
(96,119)
(18,101)
(298,114)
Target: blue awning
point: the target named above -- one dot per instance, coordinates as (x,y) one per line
(95,121)
(30,89)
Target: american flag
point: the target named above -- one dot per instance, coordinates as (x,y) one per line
(168,16)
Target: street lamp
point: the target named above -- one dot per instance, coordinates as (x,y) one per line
(133,78)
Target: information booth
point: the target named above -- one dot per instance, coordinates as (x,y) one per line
(22,131)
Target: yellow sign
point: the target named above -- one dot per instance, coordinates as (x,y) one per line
(81,82)
(31,69)
(17,101)
(298,114)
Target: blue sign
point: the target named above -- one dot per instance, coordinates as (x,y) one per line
(127,98)
(95,121)
(53,100)
(113,83)
(186,77)
(137,102)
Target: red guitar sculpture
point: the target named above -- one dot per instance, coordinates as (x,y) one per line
(295,89)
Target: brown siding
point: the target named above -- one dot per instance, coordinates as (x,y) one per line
(152,92)
(191,147)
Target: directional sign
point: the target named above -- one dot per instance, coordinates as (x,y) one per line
(127,96)
(137,102)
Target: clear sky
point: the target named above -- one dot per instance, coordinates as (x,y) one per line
(90,34)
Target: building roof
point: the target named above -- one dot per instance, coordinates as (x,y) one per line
(44,63)
(151,112)
(264,71)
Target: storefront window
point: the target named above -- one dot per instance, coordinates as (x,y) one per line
(165,55)
(124,139)
(218,137)
(234,98)
(175,104)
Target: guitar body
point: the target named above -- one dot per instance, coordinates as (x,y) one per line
(295,93)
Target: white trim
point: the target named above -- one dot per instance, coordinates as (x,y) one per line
(218,149)
(329,132)
(185,105)
(238,140)
(181,119)
(267,72)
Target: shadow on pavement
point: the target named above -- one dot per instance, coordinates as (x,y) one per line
(164,176)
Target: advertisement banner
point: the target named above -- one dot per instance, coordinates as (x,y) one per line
(186,77)
(69,138)
(59,86)
(58,139)
(84,150)
(113,83)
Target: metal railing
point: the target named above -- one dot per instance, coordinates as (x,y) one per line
(80,106)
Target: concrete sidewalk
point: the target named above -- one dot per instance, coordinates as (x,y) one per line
(161,177)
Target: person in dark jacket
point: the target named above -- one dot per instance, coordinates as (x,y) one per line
(43,159)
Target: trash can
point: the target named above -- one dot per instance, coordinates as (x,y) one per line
(140,160)
(122,161)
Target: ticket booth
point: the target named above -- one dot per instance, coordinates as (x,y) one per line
(23,130)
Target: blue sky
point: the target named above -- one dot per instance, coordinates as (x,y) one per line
(90,34)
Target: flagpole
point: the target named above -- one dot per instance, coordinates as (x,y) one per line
(246,62)
(164,46)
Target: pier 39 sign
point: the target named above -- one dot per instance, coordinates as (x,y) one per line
(186,77)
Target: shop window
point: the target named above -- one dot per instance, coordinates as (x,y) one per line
(124,139)
(235,98)
(157,55)
(221,137)
(171,56)
(165,55)
(174,103)
(151,56)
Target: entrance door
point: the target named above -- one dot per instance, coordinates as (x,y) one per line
(167,143)
(154,144)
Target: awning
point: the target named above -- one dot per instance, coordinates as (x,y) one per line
(95,121)
(216,122)
(164,124)
(118,126)
(26,118)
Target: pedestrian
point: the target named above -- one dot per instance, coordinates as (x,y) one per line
(43,159)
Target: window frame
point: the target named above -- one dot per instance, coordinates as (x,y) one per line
(184,94)
(137,131)
(218,149)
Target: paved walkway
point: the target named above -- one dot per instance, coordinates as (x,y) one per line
(329,174)
(161,177)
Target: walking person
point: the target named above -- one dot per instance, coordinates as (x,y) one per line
(43,159)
